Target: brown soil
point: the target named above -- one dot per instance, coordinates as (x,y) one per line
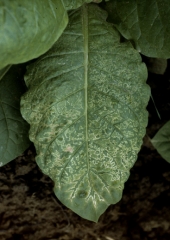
(29,209)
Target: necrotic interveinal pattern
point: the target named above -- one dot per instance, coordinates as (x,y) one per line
(86,107)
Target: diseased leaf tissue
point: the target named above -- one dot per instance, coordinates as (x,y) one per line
(86,104)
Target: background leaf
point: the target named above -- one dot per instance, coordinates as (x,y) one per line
(161,141)
(29,28)
(73,4)
(86,107)
(156,65)
(145,23)
(13,128)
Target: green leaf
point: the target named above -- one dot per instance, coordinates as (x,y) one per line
(29,28)
(86,107)
(13,128)
(161,141)
(73,4)
(145,23)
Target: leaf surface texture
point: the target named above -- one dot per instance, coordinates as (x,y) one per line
(145,23)
(86,107)
(13,128)
(29,28)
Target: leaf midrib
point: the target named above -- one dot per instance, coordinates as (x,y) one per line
(85,38)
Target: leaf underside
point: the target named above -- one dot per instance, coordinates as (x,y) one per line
(86,107)
(4,71)
(13,128)
(161,141)
(145,23)
(29,28)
